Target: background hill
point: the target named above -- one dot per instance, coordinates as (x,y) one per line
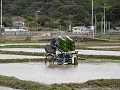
(59,13)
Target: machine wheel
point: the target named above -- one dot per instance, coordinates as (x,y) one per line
(75,61)
(59,62)
(70,62)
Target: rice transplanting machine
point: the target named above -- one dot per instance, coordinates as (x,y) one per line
(68,55)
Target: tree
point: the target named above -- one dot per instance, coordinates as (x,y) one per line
(1,31)
(31,25)
(80,10)
(62,22)
(7,22)
(57,15)
(18,18)
(113,14)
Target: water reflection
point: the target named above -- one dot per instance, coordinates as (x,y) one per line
(55,66)
(48,74)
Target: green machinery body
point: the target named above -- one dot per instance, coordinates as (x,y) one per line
(66,44)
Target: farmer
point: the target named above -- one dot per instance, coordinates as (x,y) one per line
(54,45)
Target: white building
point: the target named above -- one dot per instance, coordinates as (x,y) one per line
(16,29)
(80,30)
(18,26)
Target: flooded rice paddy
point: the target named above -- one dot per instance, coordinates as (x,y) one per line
(50,73)
(9,56)
(99,52)
(7,88)
(24,44)
(85,52)
(39,50)
(105,47)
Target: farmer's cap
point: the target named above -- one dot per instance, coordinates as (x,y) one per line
(53,39)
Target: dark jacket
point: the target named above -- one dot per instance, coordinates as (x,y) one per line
(53,44)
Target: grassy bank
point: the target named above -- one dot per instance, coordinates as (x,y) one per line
(21,84)
(81,56)
(22,46)
(109,37)
(86,45)
(105,49)
(13,82)
(22,53)
(21,41)
(100,84)
(22,60)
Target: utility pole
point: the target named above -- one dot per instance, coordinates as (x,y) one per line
(60,26)
(70,29)
(1,13)
(95,25)
(109,26)
(104,19)
(92,27)
(102,26)
(37,19)
(92,12)
(106,26)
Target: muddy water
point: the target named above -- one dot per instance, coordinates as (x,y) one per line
(49,74)
(99,52)
(23,44)
(105,47)
(24,49)
(85,52)
(7,88)
(9,56)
